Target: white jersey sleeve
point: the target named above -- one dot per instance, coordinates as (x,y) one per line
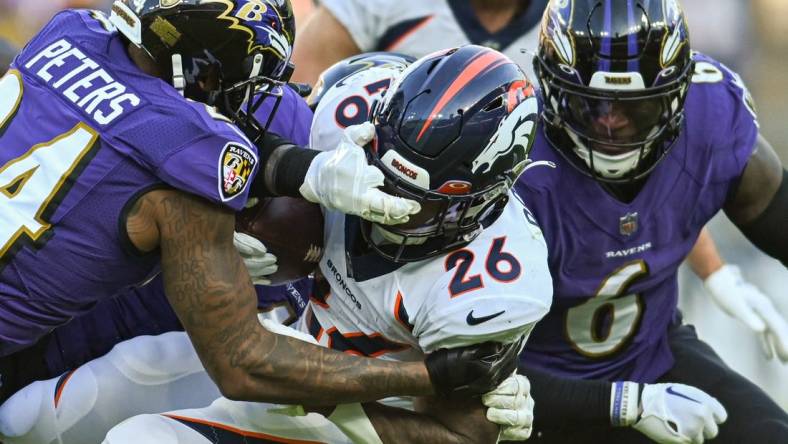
(365,20)
(495,289)
(347,103)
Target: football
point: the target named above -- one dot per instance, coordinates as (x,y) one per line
(291,229)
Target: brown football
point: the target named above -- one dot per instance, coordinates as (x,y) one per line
(291,229)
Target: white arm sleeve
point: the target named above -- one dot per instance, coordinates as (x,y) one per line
(365,20)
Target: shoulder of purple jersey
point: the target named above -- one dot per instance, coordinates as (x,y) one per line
(70,23)
(543,178)
(720,111)
(293,116)
(715,87)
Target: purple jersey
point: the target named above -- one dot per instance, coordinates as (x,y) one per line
(145,310)
(292,120)
(614,264)
(83,133)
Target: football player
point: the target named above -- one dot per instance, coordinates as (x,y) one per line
(650,141)
(74,398)
(416,28)
(121,159)
(342,28)
(453,132)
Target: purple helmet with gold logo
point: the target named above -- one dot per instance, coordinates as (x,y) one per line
(219,52)
(614,76)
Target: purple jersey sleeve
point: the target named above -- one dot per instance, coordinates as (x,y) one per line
(293,117)
(194,149)
(213,167)
(722,126)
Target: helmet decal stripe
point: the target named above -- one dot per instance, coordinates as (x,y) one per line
(633,63)
(488,60)
(607,40)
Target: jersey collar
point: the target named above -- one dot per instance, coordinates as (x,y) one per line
(478,35)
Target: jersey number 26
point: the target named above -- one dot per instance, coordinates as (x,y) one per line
(500,266)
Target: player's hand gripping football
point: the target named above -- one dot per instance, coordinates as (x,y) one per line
(511,406)
(668,413)
(342,180)
(745,302)
(256,257)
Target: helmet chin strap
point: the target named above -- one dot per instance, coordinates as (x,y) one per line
(178,79)
(257,67)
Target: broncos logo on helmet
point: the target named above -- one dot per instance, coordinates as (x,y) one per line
(453,133)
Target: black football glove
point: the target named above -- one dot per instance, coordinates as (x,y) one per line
(474,370)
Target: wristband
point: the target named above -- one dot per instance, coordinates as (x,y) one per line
(624,403)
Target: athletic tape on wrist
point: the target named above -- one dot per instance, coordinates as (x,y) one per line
(353,421)
(624,403)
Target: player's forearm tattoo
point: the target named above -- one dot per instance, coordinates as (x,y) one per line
(213,296)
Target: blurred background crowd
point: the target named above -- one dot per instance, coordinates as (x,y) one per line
(751,37)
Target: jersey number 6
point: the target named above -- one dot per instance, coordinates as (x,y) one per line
(500,265)
(604,324)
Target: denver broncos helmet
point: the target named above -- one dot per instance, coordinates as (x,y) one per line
(247,43)
(614,75)
(453,132)
(351,65)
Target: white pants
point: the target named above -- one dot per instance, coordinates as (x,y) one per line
(147,374)
(226,421)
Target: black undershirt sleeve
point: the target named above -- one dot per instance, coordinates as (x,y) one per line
(283,167)
(769,231)
(562,402)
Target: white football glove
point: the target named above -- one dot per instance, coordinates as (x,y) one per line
(745,302)
(257,259)
(511,406)
(678,414)
(342,180)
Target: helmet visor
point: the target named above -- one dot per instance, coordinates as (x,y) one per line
(614,125)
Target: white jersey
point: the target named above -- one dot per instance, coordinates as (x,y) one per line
(420,27)
(494,289)
(349,103)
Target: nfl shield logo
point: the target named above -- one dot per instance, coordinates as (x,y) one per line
(628,224)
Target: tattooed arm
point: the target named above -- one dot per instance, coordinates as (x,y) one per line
(211,292)
(436,421)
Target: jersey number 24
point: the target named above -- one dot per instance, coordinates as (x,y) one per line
(32,184)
